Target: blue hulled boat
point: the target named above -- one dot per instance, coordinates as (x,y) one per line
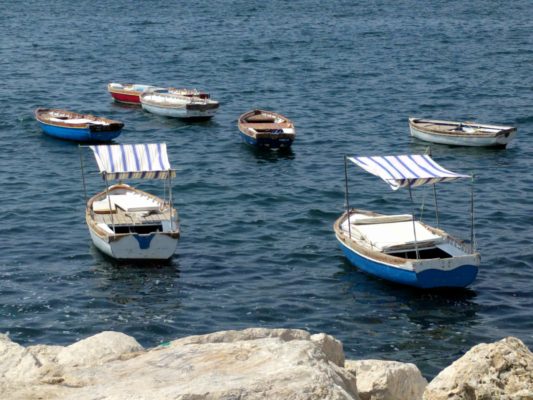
(400,248)
(69,125)
(266,129)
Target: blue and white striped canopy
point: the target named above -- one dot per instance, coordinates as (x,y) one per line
(406,170)
(133,161)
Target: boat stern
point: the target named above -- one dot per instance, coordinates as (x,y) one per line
(456,272)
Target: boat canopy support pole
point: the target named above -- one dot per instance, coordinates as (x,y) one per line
(170,196)
(83,177)
(436,205)
(472,238)
(346,196)
(414,224)
(109,200)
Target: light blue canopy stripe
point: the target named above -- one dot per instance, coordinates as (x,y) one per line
(406,170)
(133,161)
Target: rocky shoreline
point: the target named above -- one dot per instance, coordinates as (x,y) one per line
(254,363)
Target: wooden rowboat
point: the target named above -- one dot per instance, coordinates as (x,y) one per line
(69,125)
(129,93)
(172,103)
(127,223)
(266,129)
(461,133)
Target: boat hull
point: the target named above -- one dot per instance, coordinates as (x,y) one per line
(154,246)
(126,98)
(267,143)
(456,139)
(458,277)
(128,93)
(441,261)
(78,134)
(180,112)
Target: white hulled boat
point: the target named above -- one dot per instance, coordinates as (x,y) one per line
(171,103)
(128,223)
(461,133)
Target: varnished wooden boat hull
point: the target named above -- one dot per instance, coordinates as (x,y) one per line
(266,129)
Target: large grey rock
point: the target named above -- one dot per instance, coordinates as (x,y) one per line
(100,348)
(331,347)
(501,370)
(387,380)
(250,364)
(17,364)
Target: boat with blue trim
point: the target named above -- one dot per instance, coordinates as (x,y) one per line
(400,248)
(77,127)
(127,223)
(266,129)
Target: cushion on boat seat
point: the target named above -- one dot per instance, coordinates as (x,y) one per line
(105,227)
(131,202)
(102,207)
(392,235)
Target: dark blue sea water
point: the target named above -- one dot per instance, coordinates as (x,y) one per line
(258,247)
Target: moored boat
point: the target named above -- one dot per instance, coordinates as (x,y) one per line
(127,223)
(399,248)
(266,129)
(69,125)
(129,93)
(461,133)
(172,103)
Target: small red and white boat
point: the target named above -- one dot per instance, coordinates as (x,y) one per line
(129,93)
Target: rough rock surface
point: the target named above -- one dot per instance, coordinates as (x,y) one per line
(387,380)
(501,370)
(249,364)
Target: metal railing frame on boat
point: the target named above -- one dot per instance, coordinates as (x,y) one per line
(472,238)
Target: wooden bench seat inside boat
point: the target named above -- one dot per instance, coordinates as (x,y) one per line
(260,118)
(266,126)
(128,202)
(380,219)
(391,233)
(77,121)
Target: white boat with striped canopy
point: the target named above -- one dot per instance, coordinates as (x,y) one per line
(127,223)
(400,248)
